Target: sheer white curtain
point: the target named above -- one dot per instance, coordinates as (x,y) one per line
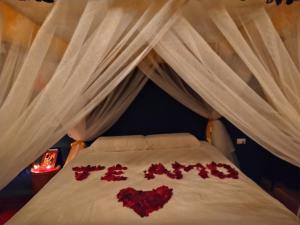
(107,113)
(273,122)
(110,109)
(106,40)
(166,78)
(83,51)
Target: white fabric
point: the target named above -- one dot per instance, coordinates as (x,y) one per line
(109,39)
(171,141)
(109,110)
(276,97)
(13,53)
(140,142)
(274,69)
(195,201)
(83,51)
(195,61)
(119,143)
(107,114)
(163,76)
(222,141)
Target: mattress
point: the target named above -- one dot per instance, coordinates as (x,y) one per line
(193,199)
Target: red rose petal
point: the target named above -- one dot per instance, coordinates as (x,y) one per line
(145,202)
(113,173)
(213,167)
(83,172)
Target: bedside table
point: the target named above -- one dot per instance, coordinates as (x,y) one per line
(41,177)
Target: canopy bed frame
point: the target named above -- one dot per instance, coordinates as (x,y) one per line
(76,68)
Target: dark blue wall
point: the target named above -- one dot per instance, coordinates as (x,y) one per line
(257,163)
(155,112)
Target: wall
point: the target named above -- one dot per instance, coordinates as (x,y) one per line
(257,163)
(154,112)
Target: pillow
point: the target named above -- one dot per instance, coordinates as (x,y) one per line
(169,141)
(120,143)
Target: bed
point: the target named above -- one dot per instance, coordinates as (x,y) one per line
(193,200)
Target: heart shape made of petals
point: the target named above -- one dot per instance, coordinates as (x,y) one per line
(145,202)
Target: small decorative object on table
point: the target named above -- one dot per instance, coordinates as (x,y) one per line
(42,172)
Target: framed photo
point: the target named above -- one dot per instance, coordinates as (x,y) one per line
(49,159)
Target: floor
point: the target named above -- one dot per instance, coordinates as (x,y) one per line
(9,206)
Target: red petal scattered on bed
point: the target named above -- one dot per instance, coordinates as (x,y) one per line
(145,202)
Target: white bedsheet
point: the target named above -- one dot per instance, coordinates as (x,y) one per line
(195,201)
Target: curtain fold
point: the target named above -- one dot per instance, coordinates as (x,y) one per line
(275,96)
(184,49)
(167,79)
(109,110)
(107,113)
(237,56)
(103,48)
(13,53)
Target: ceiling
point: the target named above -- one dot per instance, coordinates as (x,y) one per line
(36,11)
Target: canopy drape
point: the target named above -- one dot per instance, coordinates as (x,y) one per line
(110,109)
(239,57)
(107,113)
(13,54)
(166,78)
(185,50)
(107,39)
